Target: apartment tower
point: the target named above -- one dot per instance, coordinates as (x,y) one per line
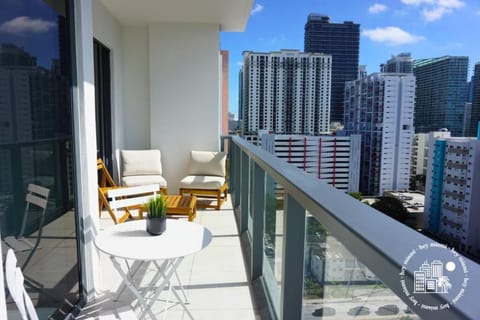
(286,92)
(333,159)
(441,94)
(402,63)
(420,146)
(451,194)
(342,41)
(380,109)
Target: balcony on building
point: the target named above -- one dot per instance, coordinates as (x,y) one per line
(286,245)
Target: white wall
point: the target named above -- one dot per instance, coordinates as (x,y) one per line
(184,93)
(136,89)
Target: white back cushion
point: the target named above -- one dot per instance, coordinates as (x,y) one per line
(207,163)
(141,162)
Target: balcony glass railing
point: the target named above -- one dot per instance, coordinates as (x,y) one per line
(320,254)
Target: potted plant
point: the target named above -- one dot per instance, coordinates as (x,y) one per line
(156,209)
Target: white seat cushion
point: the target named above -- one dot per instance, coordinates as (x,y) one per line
(207,163)
(141,162)
(132,181)
(202,182)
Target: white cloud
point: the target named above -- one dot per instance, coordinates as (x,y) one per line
(257,9)
(240,64)
(391,35)
(24,24)
(377,8)
(433,10)
(417,2)
(453,4)
(435,13)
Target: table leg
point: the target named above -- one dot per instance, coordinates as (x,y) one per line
(176,276)
(181,286)
(166,281)
(135,267)
(166,269)
(130,284)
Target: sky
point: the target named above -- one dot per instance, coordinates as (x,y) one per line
(31,25)
(425,28)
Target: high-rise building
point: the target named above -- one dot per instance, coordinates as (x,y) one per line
(286,92)
(420,146)
(240,97)
(471,128)
(451,194)
(380,109)
(342,41)
(362,71)
(441,94)
(225,117)
(333,159)
(402,63)
(467,114)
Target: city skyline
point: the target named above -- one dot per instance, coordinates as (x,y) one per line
(423,28)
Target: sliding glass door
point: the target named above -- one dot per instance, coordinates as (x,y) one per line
(36,147)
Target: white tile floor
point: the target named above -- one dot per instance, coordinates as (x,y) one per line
(214,279)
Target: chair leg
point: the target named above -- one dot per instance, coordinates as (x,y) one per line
(219,200)
(125,216)
(104,204)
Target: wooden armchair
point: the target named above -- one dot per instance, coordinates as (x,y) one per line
(106,183)
(206,177)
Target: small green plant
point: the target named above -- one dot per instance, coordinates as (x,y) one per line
(156,207)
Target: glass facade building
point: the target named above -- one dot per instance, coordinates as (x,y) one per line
(441,94)
(472,125)
(342,41)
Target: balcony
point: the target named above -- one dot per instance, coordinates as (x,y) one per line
(305,246)
(215,279)
(287,246)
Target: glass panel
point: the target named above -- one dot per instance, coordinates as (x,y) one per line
(338,286)
(36,148)
(250,197)
(273,240)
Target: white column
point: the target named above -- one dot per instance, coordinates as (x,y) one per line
(85,146)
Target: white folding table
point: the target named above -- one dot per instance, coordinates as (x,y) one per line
(129,241)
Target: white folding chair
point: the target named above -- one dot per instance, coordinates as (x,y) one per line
(14,279)
(37,196)
(130,198)
(15,284)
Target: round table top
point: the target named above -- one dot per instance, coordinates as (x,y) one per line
(130,240)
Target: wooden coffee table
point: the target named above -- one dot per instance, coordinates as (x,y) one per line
(182,205)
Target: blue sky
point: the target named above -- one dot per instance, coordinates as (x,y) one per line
(425,28)
(31,25)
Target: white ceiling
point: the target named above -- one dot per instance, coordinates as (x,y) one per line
(231,15)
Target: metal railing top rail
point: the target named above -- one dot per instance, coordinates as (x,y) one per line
(384,245)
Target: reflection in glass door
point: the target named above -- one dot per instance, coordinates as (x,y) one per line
(36,147)
(101,55)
